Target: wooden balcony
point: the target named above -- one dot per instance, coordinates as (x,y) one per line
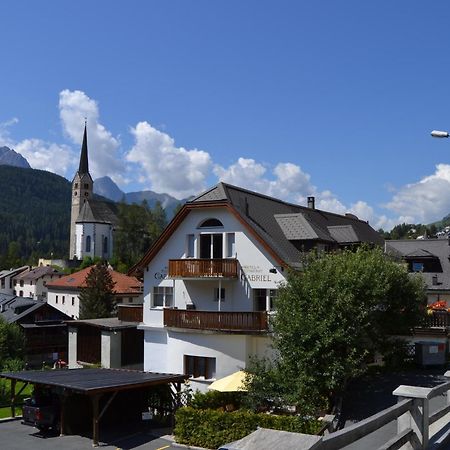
(238,322)
(130,313)
(203,268)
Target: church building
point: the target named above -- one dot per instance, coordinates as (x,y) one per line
(92,222)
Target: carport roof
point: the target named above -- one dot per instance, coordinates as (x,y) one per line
(94,381)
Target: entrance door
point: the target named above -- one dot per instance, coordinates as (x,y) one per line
(211,246)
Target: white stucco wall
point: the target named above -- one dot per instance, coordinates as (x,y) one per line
(66,307)
(97,232)
(164,351)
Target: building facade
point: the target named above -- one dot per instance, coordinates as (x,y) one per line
(211,279)
(64,293)
(92,222)
(32,283)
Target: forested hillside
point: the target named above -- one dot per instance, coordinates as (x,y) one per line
(35,220)
(34,215)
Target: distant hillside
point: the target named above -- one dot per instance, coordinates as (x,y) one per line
(106,187)
(34,212)
(10,157)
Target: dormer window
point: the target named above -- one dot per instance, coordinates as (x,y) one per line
(211,223)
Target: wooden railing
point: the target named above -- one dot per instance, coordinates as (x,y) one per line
(438,319)
(215,320)
(130,313)
(203,268)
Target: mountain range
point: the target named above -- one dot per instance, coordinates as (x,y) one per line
(10,157)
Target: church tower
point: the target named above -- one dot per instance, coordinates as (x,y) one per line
(82,191)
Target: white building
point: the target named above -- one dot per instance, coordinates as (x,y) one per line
(210,279)
(6,279)
(92,222)
(64,294)
(32,283)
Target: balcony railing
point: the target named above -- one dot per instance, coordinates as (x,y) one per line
(130,313)
(203,268)
(216,321)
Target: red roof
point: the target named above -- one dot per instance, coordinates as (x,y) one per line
(124,284)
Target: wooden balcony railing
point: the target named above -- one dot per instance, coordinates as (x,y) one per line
(130,313)
(439,319)
(203,268)
(216,321)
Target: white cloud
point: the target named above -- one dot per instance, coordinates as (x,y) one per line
(104,157)
(46,155)
(426,200)
(170,169)
(39,153)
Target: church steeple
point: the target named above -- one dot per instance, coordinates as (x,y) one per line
(84,164)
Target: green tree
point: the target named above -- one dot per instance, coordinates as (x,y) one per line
(12,343)
(97,298)
(331,317)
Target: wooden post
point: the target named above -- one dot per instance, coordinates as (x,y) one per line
(13,398)
(95,401)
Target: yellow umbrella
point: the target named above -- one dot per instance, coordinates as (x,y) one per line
(230,383)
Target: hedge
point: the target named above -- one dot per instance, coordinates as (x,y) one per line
(212,428)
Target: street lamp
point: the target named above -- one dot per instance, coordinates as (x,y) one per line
(439,134)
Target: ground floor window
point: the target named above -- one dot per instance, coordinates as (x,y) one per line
(200,366)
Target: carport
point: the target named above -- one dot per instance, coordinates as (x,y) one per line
(95,384)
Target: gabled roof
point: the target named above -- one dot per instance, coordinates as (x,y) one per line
(124,284)
(278,225)
(12,272)
(38,272)
(94,211)
(429,249)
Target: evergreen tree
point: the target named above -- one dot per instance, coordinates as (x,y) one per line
(97,298)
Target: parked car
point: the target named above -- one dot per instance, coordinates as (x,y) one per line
(42,410)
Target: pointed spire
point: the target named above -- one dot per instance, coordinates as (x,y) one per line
(84,165)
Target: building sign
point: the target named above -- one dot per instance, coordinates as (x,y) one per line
(162,274)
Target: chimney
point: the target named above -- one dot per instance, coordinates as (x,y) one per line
(434,280)
(311,202)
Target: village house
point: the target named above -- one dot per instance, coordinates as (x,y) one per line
(6,279)
(43,326)
(64,293)
(429,259)
(32,283)
(211,277)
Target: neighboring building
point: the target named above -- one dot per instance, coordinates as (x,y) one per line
(114,343)
(92,222)
(6,279)
(64,293)
(429,258)
(44,328)
(210,279)
(33,282)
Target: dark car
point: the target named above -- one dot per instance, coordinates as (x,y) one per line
(42,410)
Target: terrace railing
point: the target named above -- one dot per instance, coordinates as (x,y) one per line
(203,268)
(216,320)
(130,313)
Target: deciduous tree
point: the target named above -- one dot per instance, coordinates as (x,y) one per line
(331,317)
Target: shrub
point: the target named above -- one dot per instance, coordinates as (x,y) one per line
(216,399)
(212,428)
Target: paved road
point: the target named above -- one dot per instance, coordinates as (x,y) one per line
(15,436)
(373,394)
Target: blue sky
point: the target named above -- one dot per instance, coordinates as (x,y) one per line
(290,98)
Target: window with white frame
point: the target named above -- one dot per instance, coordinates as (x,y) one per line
(231,245)
(190,246)
(162,296)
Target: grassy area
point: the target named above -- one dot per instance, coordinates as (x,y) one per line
(6,411)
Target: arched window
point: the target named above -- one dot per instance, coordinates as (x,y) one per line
(105,245)
(88,244)
(211,223)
